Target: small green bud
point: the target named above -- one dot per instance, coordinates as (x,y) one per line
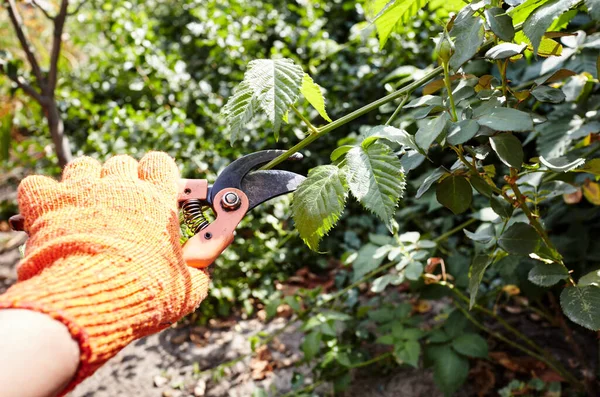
(444,48)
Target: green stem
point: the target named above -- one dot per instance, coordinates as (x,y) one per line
(351,116)
(398,109)
(536,224)
(502,68)
(448,85)
(456,229)
(559,369)
(312,128)
(540,351)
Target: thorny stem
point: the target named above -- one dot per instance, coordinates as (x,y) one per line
(398,109)
(351,116)
(541,354)
(312,128)
(448,85)
(521,199)
(567,375)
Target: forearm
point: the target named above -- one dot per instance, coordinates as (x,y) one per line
(38,356)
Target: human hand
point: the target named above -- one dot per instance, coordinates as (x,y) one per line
(103,255)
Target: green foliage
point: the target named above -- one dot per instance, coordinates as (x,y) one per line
(507,135)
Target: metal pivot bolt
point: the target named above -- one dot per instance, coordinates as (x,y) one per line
(231,201)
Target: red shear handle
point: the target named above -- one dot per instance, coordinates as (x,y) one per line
(203,248)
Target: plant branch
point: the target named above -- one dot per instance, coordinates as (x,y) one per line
(351,116)
(42,9)
(76,10)
(27,88)
(567,375)
(312,128)
(448,85)
(454,230)
(59,24)
(17,22)
(511,329)
(398,109)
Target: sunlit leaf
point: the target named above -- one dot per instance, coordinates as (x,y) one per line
(314,95)
(318,203)
(509,149)
(467,34)
(547,274)
(240,109)
(376,179)
(276,84)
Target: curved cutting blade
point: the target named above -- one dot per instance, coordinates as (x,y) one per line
(235,173)
(261,186)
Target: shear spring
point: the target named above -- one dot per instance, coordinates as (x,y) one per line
(194,215)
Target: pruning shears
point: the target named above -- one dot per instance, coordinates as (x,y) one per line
(238,189)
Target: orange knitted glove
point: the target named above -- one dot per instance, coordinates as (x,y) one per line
(103,256)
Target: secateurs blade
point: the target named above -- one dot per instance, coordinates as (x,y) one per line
(238,189)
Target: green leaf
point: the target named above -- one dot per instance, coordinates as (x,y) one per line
(366,261)
(311,344)
(480,185)
(455,193)
(547,274)
(376,179)
(318,203)
(543,93)
(390,14)
(476,271)
(592,278)
(380,283)
(505,50)
(582,306)
(276,84)
(461,132)
(430,180)
(506,119)
(501,207)
(340,151)
(500,23)
(391,134)
(430,130)
(562,164)
(509,149)
(593,7)
(450,370)
(484,236)
(467,34)
(414,270)
(455,324)
(425,100)
(520,239)
(239,109)
(540,20)
(471,345)
(313,94)
(408,352)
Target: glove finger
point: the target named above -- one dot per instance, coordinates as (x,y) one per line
(160,169)
(37,194)
(83,168)
(121,166)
